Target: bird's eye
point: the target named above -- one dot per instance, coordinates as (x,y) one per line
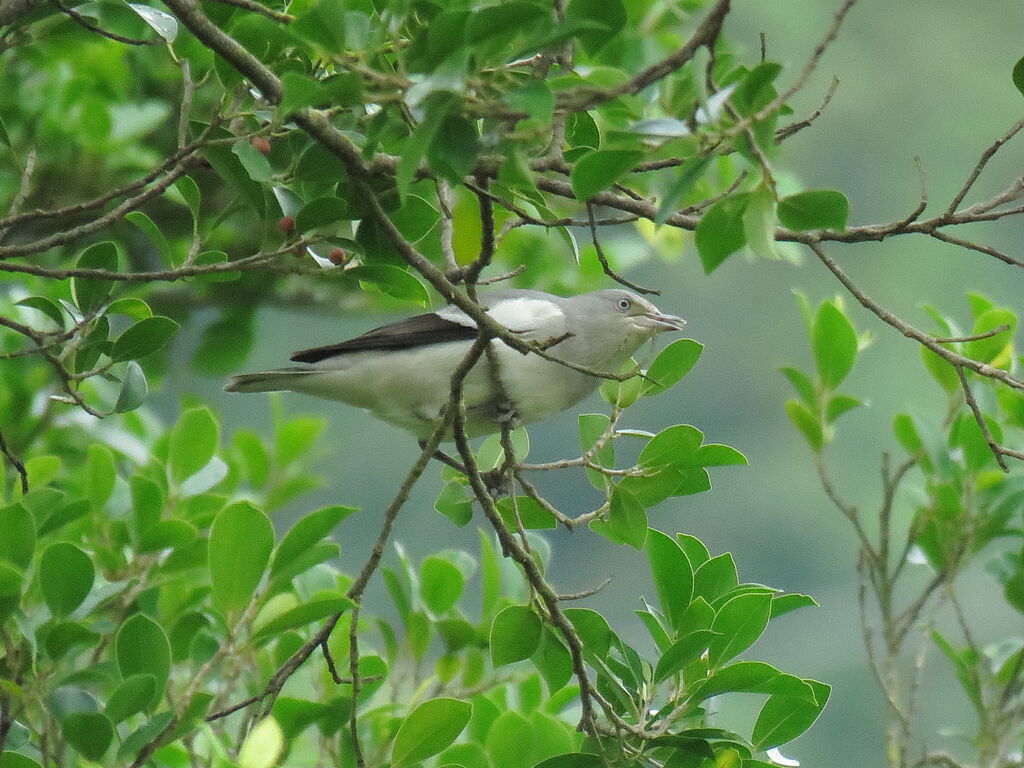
(625,304)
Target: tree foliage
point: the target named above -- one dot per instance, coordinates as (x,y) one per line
(161,160)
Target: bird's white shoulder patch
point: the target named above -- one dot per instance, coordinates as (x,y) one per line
(453,314)
(526,314)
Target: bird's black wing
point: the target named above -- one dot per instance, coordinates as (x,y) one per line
(418,331)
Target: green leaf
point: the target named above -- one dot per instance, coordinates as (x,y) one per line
(133,695)
(295,438)
(391,281)
(131,307)
(154,233)
(553,660)
(801,383)
(759,223)
(454,149)
(66,575)
(89,294)
(226,164)
(511,741)
(441,584)
(715,577)
(11,759)
(194,441)
(807,424)
(609,14)
(428,729)
(739,622)
(687,177)
(997,349)
(454,503)
(190,192)
(141,648)
(225,343)
(322,212)
(600,169)
(941,370)
(101,474)
(143,338)
(529,512)
(838,405)
(627,518)
(44,305)
(834,341)
(89,733)
(783,718)
(19,535)
(305,533)
(241,539)
(672,575)
(133,389)
(686,650)
(720,232)
(515,635)
(165,25)
(253,161)
(1017,75)
(263,746)
(437,106)
(783,604)
(671,365)
(815,209)
(534,98)
(318,607)
(323,24)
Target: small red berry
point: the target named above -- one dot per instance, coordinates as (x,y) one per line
(337,256)
(261,145)
(286,224)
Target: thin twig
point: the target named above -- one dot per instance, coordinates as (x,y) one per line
(79,19)
(15,462)
(604,259)
(979,417)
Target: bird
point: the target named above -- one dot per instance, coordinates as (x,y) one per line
(401,372)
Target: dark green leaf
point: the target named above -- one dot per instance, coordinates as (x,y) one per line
(45,306)
(66,575)
(324,211)
(783,604)
(815,209)
(600,169)
(1017,75)
(241,539)
(720,232)
(133,389)
(627,518)
(738,624)
(143,338)
(141,648)
(715,577)
(534,98)
(391,281)
(89,293)
(323,24)
(453,152)
(515,635)
(190,192)
(428,729)
(609,14)
(133,695)
(783,718)
(681,653)
(672,575)
(89,733)
(19,536)
(154,233)
(553,661)
(227,165)
(687,176)
(253,161)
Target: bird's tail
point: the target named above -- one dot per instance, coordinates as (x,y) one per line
(281,380)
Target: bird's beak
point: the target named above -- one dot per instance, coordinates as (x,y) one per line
(658,322)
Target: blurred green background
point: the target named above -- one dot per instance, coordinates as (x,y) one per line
(927,78)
